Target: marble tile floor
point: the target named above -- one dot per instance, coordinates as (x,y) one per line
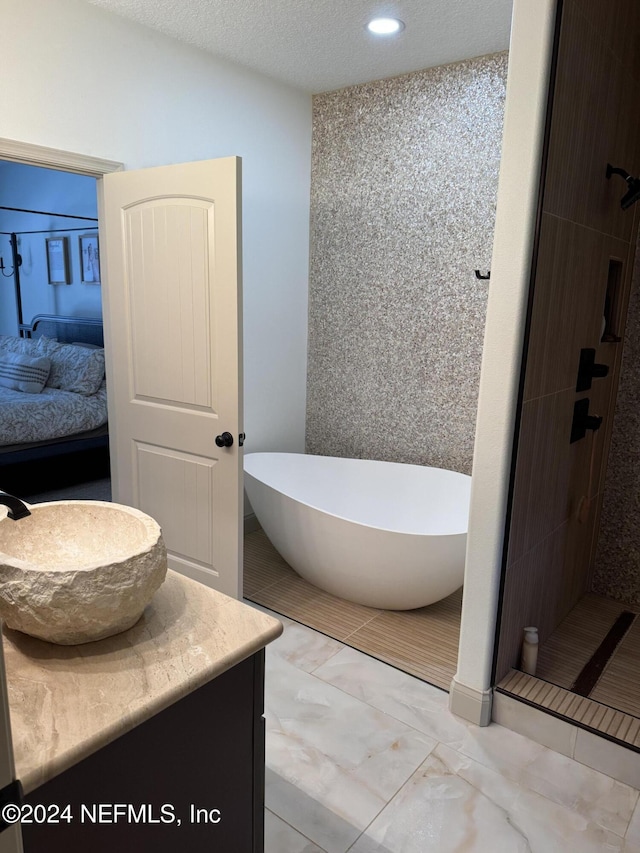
(367,759)
(364,758)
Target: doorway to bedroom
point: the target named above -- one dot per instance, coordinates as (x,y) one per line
(53,421)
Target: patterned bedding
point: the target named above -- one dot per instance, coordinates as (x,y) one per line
(51,414)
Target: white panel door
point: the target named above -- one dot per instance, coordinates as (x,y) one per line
(171,258)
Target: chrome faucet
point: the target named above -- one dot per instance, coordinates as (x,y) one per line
(17,509)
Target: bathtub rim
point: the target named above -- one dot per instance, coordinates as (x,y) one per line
(344,518)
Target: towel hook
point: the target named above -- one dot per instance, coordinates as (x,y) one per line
(483,277)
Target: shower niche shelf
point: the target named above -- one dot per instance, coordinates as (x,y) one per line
(613,303)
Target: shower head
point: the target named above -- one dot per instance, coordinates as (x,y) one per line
(633,193)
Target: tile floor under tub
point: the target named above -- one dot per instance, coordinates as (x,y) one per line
(422,642)
(367,759)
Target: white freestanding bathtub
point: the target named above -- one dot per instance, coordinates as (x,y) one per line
(383,534)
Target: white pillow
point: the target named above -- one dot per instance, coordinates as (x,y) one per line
(28,346)
(73,368)
(23,372)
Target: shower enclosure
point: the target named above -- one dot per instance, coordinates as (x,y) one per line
(588,667)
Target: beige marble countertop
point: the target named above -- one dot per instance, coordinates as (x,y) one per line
(66,702)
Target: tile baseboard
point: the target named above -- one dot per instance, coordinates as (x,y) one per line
(533,723)
(470,704)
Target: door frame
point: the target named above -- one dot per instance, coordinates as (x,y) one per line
(56,158)
(65,161)
(81,164)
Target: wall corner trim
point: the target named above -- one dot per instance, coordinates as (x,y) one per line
(470,704)
(528,78)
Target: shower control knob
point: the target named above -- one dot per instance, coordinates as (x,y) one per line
(582,420)
(588,369)
(593,422)
(224,440)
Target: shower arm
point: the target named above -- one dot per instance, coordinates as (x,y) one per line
(615,170)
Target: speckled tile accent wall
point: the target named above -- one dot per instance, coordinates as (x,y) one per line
(404,184)
(617,563)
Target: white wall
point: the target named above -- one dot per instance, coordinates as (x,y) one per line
(524,123)
(33,188)
(77,78)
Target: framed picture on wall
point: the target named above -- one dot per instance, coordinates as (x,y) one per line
(90,258)
(58,260)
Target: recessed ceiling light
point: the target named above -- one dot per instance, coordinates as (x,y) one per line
(385,26)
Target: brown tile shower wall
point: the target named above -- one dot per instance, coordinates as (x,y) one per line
(558,485)
(403,191)
(617,564)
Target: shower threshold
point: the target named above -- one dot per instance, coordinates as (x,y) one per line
(588,670)
(617,726)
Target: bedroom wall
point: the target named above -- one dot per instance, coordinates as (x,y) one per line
(81,79)
(33,188)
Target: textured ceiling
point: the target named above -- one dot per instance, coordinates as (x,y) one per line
(321,45)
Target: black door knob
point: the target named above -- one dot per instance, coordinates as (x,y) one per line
(224,440)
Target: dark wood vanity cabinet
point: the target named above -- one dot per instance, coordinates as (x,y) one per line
(188,780)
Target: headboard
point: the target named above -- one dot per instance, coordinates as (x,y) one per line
(68,330)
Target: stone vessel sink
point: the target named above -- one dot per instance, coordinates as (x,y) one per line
(76,571)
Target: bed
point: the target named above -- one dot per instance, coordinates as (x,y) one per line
(66,415)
